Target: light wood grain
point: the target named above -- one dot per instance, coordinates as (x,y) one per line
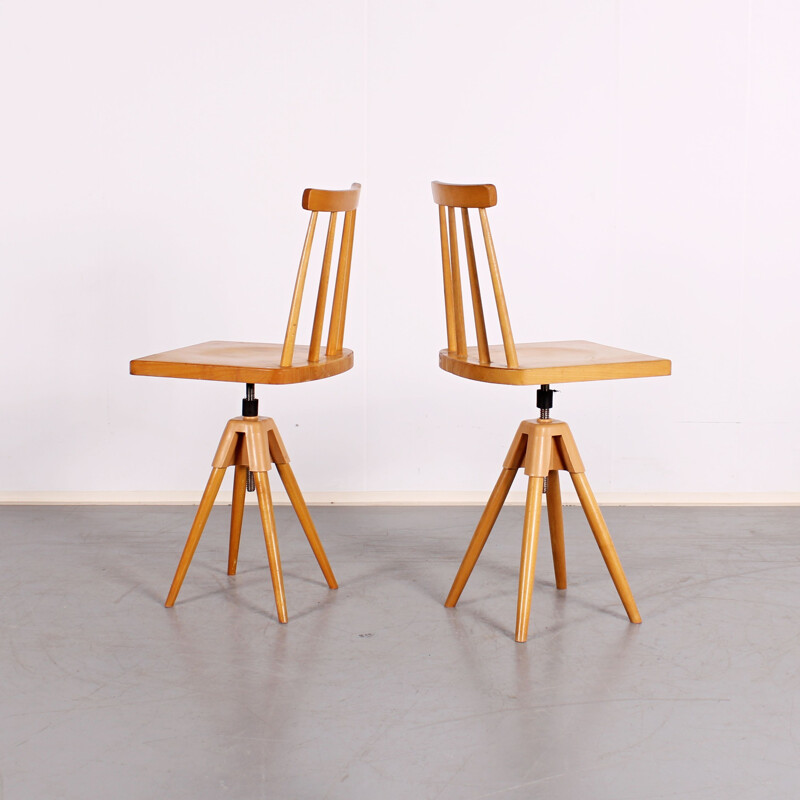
(527,569)
(237,512)
(242,362)
(458,299)
(271,540)
(303,515)
(485,525)
(555,362)
(555,520)
(475,289)
(542,447)
(297,298)
(200,519)
(447,279)
(456,195)
(322,292)
(332,199)
(606,545)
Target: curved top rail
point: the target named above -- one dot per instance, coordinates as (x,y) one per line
(332,200)
(480,195)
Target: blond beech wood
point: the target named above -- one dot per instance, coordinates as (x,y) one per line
(237,512)
(485,525)
(339,305)
(527,568)
(499,296)
(288,362)
(447,277)
(322,294)
(464,196)
(555,362)
(606,545)
(242,362)
(297,297)
(252,443)
(542,447)
(200,519)
(475,289)
(555,520)
(271,540)
(300,508)
(332,200)
(458,298)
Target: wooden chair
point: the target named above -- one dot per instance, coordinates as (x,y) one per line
(541,446)
(251,443)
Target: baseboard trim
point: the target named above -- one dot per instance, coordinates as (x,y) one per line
(407,498)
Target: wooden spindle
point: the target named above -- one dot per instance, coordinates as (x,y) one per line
(339,305)
(475,287)
(500,298)
(297,297)
(322,294)
(458,301)
(447,275)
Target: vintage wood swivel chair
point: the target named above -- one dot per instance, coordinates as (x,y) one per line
(541,446)
(251,443)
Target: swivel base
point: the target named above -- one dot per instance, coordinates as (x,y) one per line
(543,447)
(252,445)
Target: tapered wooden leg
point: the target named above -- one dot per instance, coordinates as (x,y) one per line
(237,511)
(485,525)
(301,509)
(606,545)
(271,539)
(555,519)
(200,519)
(527,567)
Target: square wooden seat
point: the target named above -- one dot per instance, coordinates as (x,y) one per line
(245,362)
(554,362)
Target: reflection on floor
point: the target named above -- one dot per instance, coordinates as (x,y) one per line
(376,690)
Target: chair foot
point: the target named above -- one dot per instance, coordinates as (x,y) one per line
(271,539)
(555,519)
(606,545)
(301,509)
(527,568)
(200,519)
(482,531)
(237,512)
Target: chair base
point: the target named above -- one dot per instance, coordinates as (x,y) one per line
(254,444)
(543,447)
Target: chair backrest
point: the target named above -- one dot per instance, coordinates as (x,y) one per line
(449,197)
(316,201)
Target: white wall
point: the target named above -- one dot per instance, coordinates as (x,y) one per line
(152,158)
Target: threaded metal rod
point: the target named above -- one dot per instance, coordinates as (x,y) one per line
(251,482)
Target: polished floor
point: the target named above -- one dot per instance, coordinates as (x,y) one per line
(376,690)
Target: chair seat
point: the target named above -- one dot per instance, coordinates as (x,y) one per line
(240,362)
(555,362)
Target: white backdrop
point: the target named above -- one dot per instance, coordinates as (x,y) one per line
(152,158)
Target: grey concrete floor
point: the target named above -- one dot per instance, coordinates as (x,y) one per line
(376,690)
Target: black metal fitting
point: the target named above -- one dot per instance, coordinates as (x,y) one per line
(544,397)
(250,403)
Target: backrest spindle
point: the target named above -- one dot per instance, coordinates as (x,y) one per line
(481,196)
(316,201)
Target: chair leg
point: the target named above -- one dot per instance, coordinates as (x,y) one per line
(606,545)
(555,519)
(527,568)
(237,512)
(301,509)
(271,539)
(200,519)
(485,525)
